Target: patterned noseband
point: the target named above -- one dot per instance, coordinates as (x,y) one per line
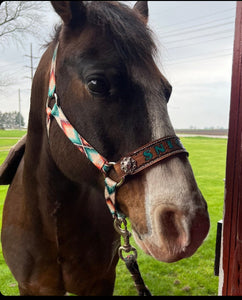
(130,164)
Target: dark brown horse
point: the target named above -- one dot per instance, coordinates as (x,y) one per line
(57,232)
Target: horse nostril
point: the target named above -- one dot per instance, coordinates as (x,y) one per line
(169,224)
(174,229)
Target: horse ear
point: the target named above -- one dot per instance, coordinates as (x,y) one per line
(72,13)
(141,7)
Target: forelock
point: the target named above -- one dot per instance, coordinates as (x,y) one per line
(130,36)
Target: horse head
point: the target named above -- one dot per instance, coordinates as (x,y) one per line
(113,93)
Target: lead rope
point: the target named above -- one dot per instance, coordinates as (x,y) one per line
(119,219)
(131,259)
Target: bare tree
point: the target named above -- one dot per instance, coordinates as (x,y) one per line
(5,81)
(18,19)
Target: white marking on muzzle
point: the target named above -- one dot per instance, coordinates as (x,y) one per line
(161,127)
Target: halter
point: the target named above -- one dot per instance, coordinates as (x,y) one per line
(130,164)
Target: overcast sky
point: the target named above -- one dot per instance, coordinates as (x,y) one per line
(195,40)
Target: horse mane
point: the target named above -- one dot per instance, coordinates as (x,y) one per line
(132,39)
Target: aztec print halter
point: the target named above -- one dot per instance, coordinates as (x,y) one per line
(132,163)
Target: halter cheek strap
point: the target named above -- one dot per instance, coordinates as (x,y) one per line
(99,161)
(132,163)
(83,146)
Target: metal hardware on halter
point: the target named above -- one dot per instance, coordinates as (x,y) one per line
(126,235)
(112,164)
(128,165)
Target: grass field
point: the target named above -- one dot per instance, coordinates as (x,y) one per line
(191,276)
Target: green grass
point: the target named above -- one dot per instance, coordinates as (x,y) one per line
(191,276)
(8,138)
(12,133)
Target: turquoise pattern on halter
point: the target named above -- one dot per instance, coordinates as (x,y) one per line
(52,83)
(84,147)
(98,160)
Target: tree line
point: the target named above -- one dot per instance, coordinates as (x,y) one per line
(11,120)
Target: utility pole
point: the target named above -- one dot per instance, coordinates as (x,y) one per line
(19,108)
(31,63)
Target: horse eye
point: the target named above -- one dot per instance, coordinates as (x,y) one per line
(98,87)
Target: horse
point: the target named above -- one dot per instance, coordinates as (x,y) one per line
(104,127)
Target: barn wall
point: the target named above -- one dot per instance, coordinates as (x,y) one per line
(230,276)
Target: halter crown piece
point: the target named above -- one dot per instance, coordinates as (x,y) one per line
(132,163)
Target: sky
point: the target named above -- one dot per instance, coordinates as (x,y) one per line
(195,41)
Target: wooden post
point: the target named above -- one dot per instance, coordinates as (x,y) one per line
(232,221)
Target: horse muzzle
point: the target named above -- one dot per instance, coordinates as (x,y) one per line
(173,234)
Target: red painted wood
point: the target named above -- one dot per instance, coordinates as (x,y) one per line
(232,223)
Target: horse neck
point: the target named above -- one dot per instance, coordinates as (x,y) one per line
(36,125)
